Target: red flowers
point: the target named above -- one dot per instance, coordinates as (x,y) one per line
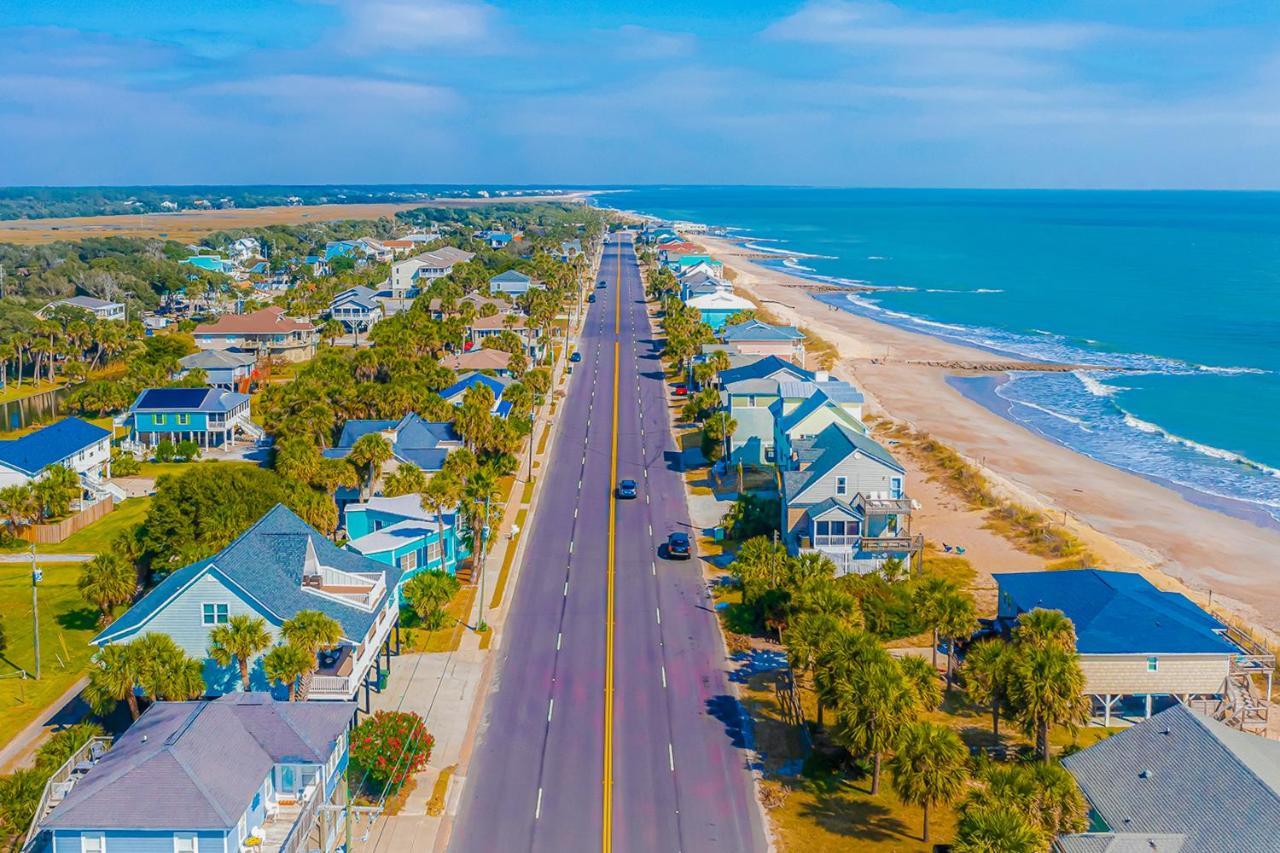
(389,747)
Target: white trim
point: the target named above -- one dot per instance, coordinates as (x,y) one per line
(193,837)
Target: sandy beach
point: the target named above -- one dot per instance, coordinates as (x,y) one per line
(1127,521)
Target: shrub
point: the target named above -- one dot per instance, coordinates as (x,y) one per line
(389,747)
(54,752)
(187,451)
(124,464)
(165,451)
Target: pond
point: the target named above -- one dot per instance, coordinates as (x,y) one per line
(36,409)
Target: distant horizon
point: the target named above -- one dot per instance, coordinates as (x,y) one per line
(605,187)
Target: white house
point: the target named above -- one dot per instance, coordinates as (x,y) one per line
(100,308)
(79,445)
(425,268)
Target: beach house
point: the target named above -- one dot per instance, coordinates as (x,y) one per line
(493,361)
(747,393)
(716,308)
(1177,782)
(413,273)
(78,445)
(844,496)
(513,283)
(267,333)
(804,409)
(398,532)
(210,263)
(356,308)
(758,338)
(276,569)
(414,441)
(211,417)
(1143,649)
(101,309)
(480,329)
(237,774)
(230,371)
(455,393)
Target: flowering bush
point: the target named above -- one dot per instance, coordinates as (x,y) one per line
(389,747)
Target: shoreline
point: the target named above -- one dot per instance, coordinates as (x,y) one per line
(1129,520)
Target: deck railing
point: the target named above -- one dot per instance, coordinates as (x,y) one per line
(60,782)
(300,833)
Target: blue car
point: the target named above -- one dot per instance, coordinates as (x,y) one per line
(627,490)
(576,357)
(678,546)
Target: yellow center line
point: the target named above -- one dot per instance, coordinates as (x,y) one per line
(606,841)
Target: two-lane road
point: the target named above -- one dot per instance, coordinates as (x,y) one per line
(539,779)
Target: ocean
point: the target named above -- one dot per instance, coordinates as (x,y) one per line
(1178,291)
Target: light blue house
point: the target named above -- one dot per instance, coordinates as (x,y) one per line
(497,384)
(238,774)
(512,283)
(399,532)
(210,263)
(342,249)
(223,369)
(211,417)
(413,440)
(716,308)
(274,570)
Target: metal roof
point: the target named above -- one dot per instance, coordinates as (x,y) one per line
(33,452)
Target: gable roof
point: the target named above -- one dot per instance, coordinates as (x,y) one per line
(89,303)
(417,441)
(265,321)
(721,300)
(1117,612)
(31,453)
(478,359)
(754,330)
(208,759)
(764,368)
(187,399)
(497,384)
(826,450)
(1181,774)
(511,277)
(812,403)
(217,359)
(266,563)
(361,294)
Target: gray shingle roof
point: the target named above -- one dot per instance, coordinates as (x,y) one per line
(1179,773)
(197,765)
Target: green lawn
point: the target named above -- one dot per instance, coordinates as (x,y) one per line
(97,537)
(153,470)
(67,624)
(28,388)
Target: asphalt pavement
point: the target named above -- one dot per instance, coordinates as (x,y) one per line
(680,775)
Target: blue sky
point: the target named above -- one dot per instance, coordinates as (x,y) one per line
(1125,93)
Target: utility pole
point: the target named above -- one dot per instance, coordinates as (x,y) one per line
(484,541)
(35,608)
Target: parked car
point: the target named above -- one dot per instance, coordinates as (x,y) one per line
(678,546)
(627,489)
(591,298)
(576,356)
(603,283)
(681,390)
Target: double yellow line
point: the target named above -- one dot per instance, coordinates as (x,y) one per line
(606,840)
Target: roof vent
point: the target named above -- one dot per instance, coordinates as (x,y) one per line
(1145,774)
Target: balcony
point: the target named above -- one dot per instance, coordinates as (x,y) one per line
(363,589)
(63,780)
(892,544)
(338,679)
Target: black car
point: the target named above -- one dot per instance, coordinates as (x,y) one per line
(603,283)
(591,298)
(678,546)
(627,489)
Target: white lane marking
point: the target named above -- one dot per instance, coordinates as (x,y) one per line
(646,473)
(570,546)
(671,757)
(537,811)
(653,568)
(559,637)
(658,612)
(575,512)
(650,529)
(646,498)
(664,678)
(566,587)
(579,485)
(550,707)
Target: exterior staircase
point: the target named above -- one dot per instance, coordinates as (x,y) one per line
(465,572)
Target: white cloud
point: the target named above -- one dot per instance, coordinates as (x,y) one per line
(635,42)
(318,89)
(410,25)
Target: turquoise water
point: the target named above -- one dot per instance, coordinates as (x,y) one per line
(1179,290)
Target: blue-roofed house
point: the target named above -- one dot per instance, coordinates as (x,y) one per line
(101,309)
(241,773)
(83,447)
(497,384)
(413,440)
(496,239)
(756,338)
(231,371)
(1177,783)
(211,417)
(277,568)
(399,532)
(513,283)
(747,393)
(1142,648)
(356,308)
(342,249)
(570,249)
(804,409)
(844,496)
(715,309)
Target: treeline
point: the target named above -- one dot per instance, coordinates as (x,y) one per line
(549,221)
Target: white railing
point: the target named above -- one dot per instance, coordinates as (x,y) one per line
(300,833)
(836,541)
(330,687)
(61,783)
(327,578)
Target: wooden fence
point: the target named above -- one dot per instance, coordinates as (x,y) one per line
(51,534)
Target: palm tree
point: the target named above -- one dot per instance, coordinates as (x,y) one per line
(954,620)
(57,489)
(427,593)
(875,703)
(167,672)
(405,480)
(106,581)
(1047,688)
(1059,806)
(1041,628)
(927,597)
(239,640)
(311,631)
(477,492)
(18,506)
(807,638)
(287,664)
(986,677)
(114,674)
(370,452)
(997,828)
(928,766)
(923,680)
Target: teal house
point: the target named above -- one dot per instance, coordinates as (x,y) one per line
(211,417)
(716,308)
(399,532)
(210,263)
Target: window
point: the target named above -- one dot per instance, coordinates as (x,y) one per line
(769,454)
(214,614)
(433,551)
(183,420)
(842,485)
(158,420)
(1153,664)
(186,843)
(895,487)
(409,561)
(93,843)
